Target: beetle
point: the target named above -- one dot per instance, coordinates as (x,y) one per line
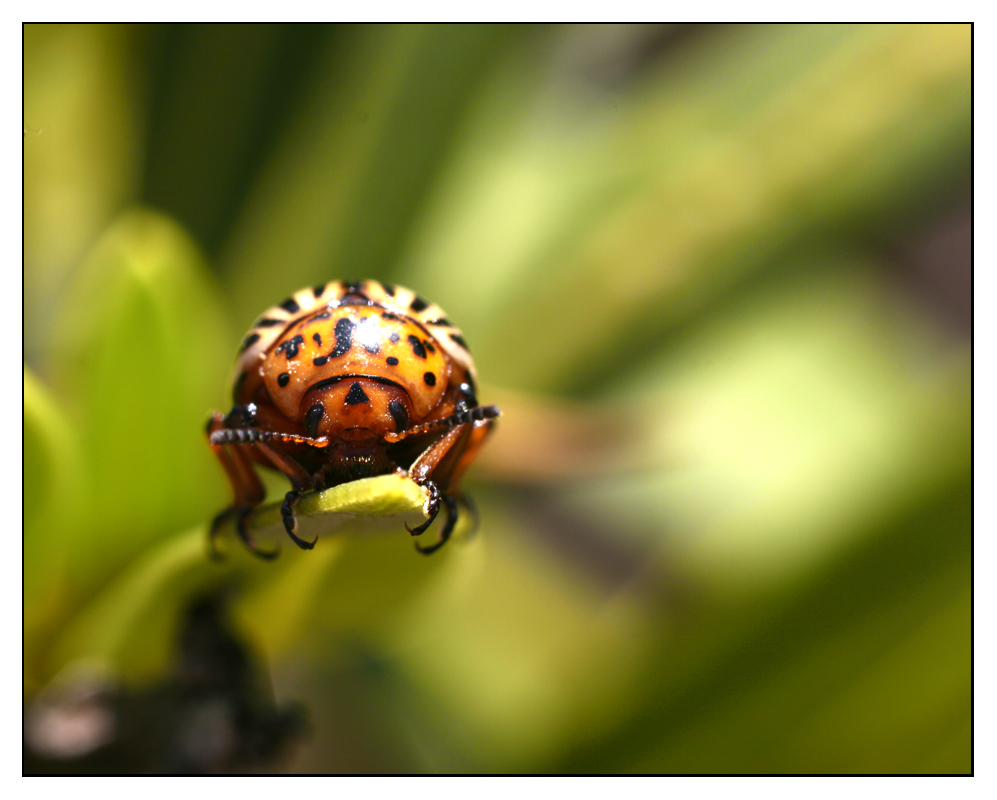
(348,380)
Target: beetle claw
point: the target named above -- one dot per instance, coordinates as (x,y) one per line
(447,529)
(240,526)
(291,522)
(216,525)
(433,505)
(241,514)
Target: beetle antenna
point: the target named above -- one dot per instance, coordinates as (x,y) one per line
(254,435)
(459,418)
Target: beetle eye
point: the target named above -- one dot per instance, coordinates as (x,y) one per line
(241,416)
(313,417)
(468,390)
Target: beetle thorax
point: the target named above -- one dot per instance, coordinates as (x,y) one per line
(357,368)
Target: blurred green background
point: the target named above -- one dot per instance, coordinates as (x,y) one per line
(716,277)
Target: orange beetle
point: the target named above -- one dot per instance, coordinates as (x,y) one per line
(349,380)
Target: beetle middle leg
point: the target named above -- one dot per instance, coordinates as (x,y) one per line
(432,505)
(242,515)
(246,486)
(447,528)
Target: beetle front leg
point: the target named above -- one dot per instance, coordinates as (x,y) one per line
(425,466)
(300,480)
(291,521)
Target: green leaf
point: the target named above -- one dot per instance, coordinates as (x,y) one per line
(142,356)
(130,625)
(82,154)
(54,501)
(385,495)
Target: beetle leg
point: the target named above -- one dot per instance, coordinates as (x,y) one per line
(241,514)
(431,457)
(291,521)
(447,529)
(319,478)
(247,489)
(300,480)
(446,460)
(216,526)
(295,473)
(433,504)
(421,470)
(450,474)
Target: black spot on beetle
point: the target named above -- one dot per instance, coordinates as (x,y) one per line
(429,345)
(460,340)
(249,341)
(344,338)
(399,415)
(268,322)
(318,338)
(319,361)
(291,346)
(283,379)
(392,361)
(429,378)
(351,287)
(312,419)
(389,288)
(394,336)
(356,395)
(390,315)
(291,306)
(318,291)
(323,315)
(418,304)
(440,321)
(417,347)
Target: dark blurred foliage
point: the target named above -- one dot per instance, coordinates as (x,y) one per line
(216,713)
